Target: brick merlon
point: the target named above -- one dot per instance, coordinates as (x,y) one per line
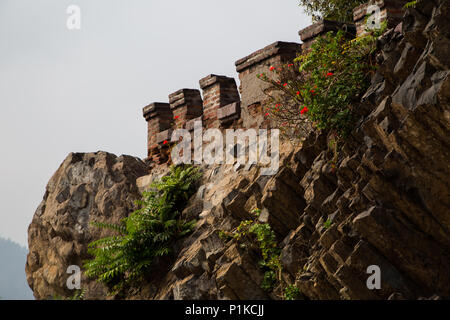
(322,27)
(188,97)
(276,48)
(213,79)
(154,109)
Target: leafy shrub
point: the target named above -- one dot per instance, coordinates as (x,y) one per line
(338,10)
(252,230)
(284,85)
(291,292)
(330,78)
(147,234)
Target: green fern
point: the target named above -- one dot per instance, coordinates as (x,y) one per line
(147,234)
(78,295)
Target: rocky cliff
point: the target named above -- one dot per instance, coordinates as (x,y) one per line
(386,203)
(94,186)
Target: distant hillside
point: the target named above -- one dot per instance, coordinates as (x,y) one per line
(13,283)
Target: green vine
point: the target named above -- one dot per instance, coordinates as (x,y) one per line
(270,263)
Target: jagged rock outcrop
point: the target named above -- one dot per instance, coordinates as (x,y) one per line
(389,196)
(86,187)
(386,200)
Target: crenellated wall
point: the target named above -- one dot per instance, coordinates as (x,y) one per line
(222,106)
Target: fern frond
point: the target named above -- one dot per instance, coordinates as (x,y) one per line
(146,234)
(120,228)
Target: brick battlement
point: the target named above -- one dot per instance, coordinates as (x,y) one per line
(224,105)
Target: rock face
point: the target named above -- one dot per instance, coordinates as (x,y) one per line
(386,201)
(86,187)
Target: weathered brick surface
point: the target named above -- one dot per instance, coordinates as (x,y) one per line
(286,50)
(186,104)
(229,113)
(159,118)
(190,124)
(218,91)
(320,28)
(251,88)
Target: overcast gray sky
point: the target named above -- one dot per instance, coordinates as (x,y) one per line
(83,90)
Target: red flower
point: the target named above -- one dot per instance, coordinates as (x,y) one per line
(285,85)
(312,90)
(176,117)
(165,142)
(272,68)
(266,114)
(290,65)
(298,93)
(329,74)
(304,110)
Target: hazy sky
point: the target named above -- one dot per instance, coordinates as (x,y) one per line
(83,90)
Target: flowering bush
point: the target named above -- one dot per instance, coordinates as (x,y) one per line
(285,108)
(321,86)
